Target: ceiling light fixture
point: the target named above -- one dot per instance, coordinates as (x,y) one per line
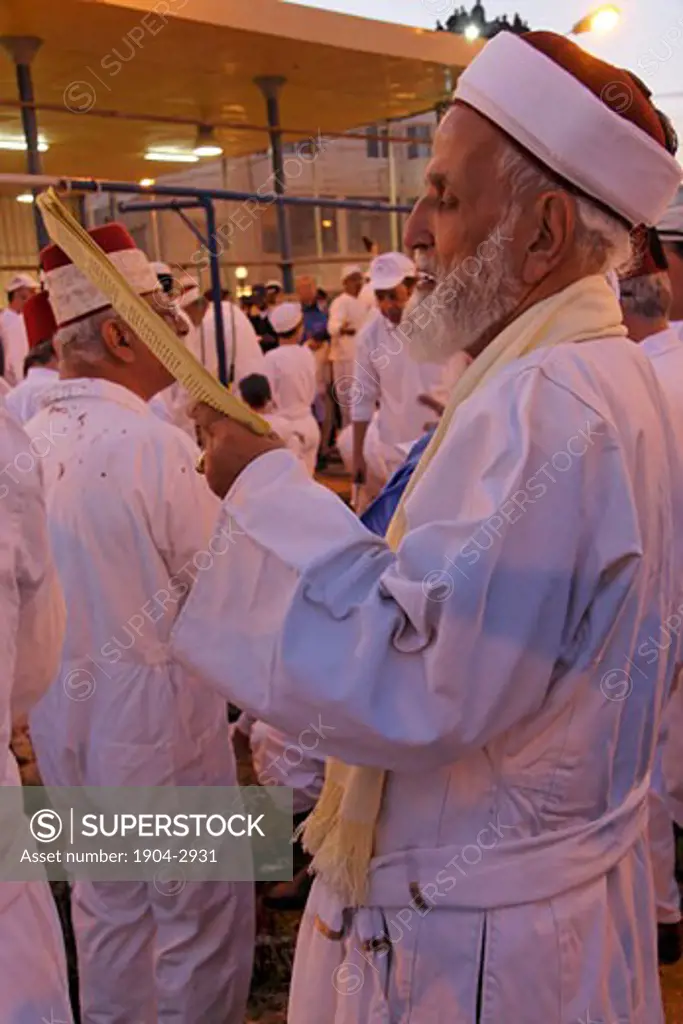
(174,156)
(25,197)
(207,144)
(17,144)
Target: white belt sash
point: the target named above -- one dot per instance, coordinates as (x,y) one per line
(513,871)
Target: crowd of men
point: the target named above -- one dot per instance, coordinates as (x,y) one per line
(491,634)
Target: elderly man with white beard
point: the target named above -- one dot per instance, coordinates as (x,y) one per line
(480,840)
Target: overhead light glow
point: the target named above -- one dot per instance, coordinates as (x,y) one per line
(605,20)
(25,197)
(601,20)
(207,144)
(471,33)
(18,144)
(327,223)
(241,273)
(173,156)
(147,182)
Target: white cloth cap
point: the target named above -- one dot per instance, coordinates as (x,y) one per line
(670,227)
(389,269)
(571,130)
(349,270)
(285,317)
(162,269)
(274,284)
(22,281)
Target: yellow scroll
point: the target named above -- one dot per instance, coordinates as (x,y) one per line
(169,349)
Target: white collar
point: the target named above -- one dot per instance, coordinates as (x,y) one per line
(96,387)
(42,371)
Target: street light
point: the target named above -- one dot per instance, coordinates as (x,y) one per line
(472,32)
(603,19)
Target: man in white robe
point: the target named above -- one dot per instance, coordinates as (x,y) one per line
(347,316)
(25,399)
(32,963)
(484,858)
(12,328)
(386,374)
(291,370)
(646,299)
(131,522)
(243,353)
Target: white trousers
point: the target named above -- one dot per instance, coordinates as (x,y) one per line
(149,955)
(662,848)
(344,375)
(33,978)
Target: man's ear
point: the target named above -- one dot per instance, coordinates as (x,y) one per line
(552,222)
(115,342)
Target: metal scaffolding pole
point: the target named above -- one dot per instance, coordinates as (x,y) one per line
(270,87)
(215,272)
(22,50)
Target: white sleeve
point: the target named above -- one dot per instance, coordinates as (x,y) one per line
(337,315)
(41,613)
(366,372)
(417,657)
(248,354)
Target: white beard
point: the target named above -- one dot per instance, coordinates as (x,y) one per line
(464,305)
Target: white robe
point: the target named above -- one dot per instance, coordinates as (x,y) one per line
(291,370)
(242,343)
(32,961)
(131,522)
(665,350)
(492,666)
(388,376)
(14,341)
(25,400)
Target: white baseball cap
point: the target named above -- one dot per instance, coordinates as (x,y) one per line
(22,281)
(390,269)
(349,270)
(286,317)
(274,284)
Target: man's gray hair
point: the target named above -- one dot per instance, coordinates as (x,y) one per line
(649,296)
(82,342)
(603,240)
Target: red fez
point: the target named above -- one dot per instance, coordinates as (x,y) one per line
(39,319)
(109,237)
(72,295)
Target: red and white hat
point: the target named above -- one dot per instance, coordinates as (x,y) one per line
(591,123)
(72,296)
(39,319)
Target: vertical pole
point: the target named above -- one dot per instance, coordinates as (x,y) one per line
(270,87)
(395,245)
(215,271)
(22,50)
(317,213)
(156,244)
